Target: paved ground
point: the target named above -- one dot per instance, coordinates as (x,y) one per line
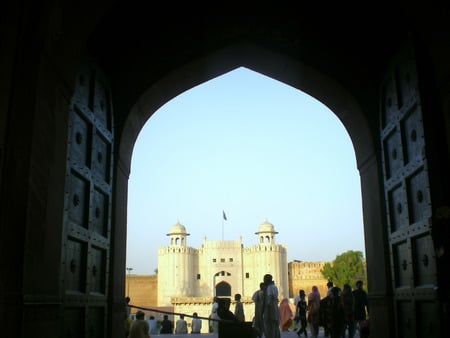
(289,334)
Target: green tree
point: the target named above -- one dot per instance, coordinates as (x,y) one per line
(346,268)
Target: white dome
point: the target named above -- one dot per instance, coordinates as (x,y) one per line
(177,229)
(266,227)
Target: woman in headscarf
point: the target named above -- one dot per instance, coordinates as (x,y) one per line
(285,315)
(314,311)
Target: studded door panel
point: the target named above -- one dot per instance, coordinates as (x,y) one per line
(87,227)
(408,202)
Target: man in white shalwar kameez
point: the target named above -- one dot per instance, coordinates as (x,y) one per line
(271,315)
(214,324)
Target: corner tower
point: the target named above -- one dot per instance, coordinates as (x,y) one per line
(176,262)
(266,257)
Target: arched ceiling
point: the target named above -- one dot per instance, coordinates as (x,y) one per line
(151,55)
(352,48)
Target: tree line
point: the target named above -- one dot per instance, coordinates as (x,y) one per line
(346,268)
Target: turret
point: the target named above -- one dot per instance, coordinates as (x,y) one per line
(266,233)
(177,235)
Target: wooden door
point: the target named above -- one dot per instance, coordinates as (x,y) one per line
(87,213)
(408,202)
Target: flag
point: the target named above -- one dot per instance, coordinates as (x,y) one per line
(224,216)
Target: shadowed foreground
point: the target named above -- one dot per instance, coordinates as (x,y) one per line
(289,334)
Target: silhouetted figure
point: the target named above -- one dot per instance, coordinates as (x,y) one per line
(347,299)
(127,306)
(139,327)
(258,298)
(296,318)
(329,286)
(335,314)
(229,325)
(239,308)
(166,326)
(301,313)
(323,309)
(127,320)
(271,315)
(323,312)
(361,305)
(314,311)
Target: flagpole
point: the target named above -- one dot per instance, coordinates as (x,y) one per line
(222,227)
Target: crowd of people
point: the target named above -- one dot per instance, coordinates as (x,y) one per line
(141,328)
(340,313)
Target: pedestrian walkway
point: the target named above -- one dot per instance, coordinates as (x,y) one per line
(288,334)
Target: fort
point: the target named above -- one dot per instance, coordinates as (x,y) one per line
(78,88)
(142,292)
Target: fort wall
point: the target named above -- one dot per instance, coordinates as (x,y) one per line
(143,292)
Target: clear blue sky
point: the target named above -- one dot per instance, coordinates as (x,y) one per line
(255,148)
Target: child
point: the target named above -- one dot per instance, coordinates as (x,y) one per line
(239,308)
(301,313)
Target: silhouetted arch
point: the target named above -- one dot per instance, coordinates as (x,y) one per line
(272,64)
(298,75)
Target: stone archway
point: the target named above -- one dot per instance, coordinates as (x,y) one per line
(306,79)
(148,52)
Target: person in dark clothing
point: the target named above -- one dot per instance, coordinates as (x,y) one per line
(301,313)
(166,326)
(361,304)
(223,310)
(323,306)
(229,325)
(330,285)
(323,318)
(347,299)
(335,314)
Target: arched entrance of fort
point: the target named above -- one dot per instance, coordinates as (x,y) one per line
(75,202)
(391,249)
(296,74)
